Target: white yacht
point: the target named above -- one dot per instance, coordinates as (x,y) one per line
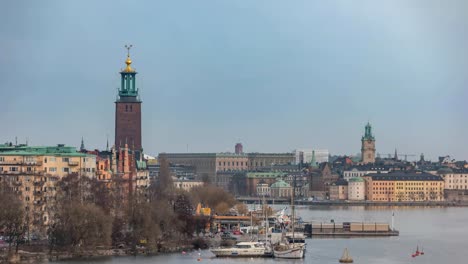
(243,249)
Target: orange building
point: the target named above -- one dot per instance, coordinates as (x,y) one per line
(404,187)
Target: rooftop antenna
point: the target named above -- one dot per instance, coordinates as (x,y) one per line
(107,144)
(16,141)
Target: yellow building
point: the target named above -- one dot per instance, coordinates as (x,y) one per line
(34,171)
(400,186)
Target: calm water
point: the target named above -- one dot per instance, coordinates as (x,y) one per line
(443,232)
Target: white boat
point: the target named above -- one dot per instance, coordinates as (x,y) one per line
(289,251)
(243,249)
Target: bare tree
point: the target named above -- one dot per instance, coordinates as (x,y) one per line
(12,217)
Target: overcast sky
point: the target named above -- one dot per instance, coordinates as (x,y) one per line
(274,75)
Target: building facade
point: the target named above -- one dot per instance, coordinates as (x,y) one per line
(360,171)
(34,171)
(281,189)
(454,179)
(207,165)
(404,187)
(339,190)
(368,146)
(356,189)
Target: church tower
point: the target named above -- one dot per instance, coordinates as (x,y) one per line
(368,146)
(128,111)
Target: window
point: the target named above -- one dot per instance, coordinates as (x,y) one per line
(13,168)
(52,159)
(65,159)
(52,169)
(66,169)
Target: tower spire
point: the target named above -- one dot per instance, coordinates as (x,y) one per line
(128,61)
(82,147)
(313,162)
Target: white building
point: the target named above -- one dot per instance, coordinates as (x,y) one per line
(353,173)
(356,189)
(454,179)
(305,155)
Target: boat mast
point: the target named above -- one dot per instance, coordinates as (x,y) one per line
(292,206)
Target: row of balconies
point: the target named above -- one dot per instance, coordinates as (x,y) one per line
(19,172)
(20,162)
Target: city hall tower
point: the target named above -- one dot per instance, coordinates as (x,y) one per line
(128,111)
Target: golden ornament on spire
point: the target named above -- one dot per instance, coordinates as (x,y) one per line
(128,61)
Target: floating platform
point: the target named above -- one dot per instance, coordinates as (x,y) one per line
(348,229)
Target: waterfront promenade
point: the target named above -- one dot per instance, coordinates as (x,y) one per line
(253,200)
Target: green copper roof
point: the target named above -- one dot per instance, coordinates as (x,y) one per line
(368,133)
(59,150)
(313,162)
(280,184)
(356,179)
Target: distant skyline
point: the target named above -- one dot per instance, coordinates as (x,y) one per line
(274,75)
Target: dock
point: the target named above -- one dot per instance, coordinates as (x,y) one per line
(348,229)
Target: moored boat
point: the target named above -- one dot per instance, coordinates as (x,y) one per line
(289,251)
(243,249)
(290,247)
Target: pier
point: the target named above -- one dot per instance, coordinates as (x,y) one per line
(348,229)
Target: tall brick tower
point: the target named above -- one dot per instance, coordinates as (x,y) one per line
(368,146)
(128,111)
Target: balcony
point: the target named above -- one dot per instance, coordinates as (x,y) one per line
(38,193)
(33,163)
(11,162)
(33,172)
(39,183)
(73,163)
(12,172)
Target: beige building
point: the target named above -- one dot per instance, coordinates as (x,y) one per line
(207,165)
(34,171)
(339,190)
(454,179)
(356,189)
(281,189)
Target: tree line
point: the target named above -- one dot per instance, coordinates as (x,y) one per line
(86,214)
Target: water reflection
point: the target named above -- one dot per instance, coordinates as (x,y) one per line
(441,231)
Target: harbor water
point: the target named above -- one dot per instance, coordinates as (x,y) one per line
(442,232)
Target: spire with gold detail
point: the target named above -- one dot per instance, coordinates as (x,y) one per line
(128,61)
(128,90)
